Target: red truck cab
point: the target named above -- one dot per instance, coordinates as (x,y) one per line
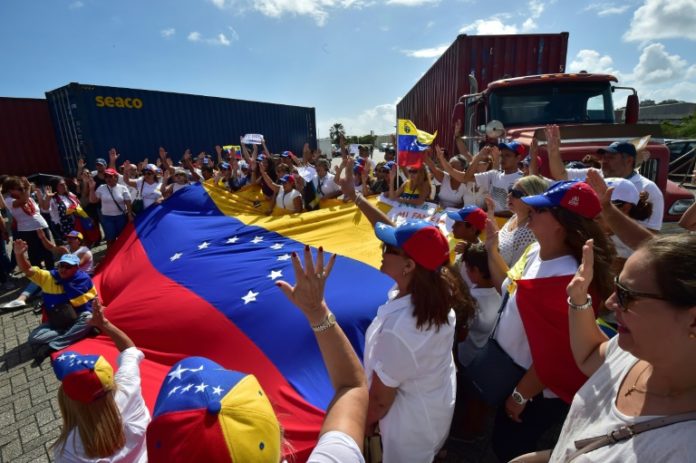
(582,106)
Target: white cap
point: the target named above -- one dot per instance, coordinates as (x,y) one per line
(624,190)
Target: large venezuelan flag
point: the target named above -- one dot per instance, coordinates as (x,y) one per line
(195,276)
(412,143)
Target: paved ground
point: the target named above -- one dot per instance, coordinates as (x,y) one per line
(29,415)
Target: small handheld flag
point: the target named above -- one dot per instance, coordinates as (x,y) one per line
(411,143)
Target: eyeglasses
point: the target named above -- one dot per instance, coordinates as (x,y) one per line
(625,296)
(517,194)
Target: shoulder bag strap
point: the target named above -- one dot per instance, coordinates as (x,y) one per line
(114,199)
(627,432)
(142,185)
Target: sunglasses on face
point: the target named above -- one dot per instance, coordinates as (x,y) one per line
(517,194)
(66,266)
(625,296)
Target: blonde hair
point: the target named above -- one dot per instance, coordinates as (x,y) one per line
(99,424)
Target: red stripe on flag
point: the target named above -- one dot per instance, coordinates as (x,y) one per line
(410,159)
(188,326)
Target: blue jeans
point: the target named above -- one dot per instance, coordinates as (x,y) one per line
(113,225)
(57,340)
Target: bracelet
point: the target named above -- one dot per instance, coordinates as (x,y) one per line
(584,306)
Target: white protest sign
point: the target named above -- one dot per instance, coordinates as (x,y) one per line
(308,173)
(252,139)
(400,213)
(354,149)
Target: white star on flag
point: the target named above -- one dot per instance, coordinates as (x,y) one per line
(381,226)
(257,239)
(175,256)
(203,245)
(277,246)
(176,373)
(217,390)
(61,358)
(275,274)
(187,388)
(250,297)
(232,240)
(72,356)
(284,257)
(174,389)
(201,387)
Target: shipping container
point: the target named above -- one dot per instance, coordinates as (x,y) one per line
(91,119)
(430,102)
(27,140)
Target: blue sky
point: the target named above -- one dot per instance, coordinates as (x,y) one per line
(350,59)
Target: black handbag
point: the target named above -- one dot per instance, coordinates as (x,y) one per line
(492,372)
(138,204)
(61,316)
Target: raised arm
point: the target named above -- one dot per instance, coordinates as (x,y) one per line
(91,186)
(120,339)
(438,173)
(164,160)
(496,263)
(266,178)
(50,245)
(688,219)
(126,175)
(587,341)
(533,150)
(348,408)
(44,197)
(553,149)
(372,214)
(20,250)
(113,156)
(459,143)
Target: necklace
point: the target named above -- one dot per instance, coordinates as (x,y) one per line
(635,388)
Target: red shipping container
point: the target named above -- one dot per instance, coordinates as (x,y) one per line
(27,139)
(430,102)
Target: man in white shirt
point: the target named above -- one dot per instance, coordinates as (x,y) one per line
(324,183)
(618,160)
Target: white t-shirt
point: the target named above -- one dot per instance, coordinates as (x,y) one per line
(449,197)
(108,206)
(287,200)
(655,196)
(512,243)
(336,447)
(177,186)
(134,413)
(87,267)
(419,363)
(488,300)
(510,333)
(497,183)
(150,191)
(325,186)
(473,195)
(593,413)
(26,222)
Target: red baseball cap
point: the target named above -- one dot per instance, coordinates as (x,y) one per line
(420,240)
(472,214)
(572,195)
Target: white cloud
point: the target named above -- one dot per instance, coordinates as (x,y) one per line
(433,52)
(529,25)
(536,7)
(593,62)
(220,39)
(167,33)
(381,119)
(607,9)
(221,3)
(655,66)
(662,19)
(429,24)
(194,37)
(491,26)
(411,2)
(76,5)
(233,33)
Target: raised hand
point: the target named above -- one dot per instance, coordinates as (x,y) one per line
(553,139)
(98,319)
(491,235)
(580,284)
(20,246)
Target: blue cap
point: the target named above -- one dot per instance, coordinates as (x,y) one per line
(260,157)
(150,167)
(420,240)
(389,165)
(572,195)
(70,259)
(225,166)
(286,179)
(472,214)
(619,147)
(515,147)
(286,154)
(102,161)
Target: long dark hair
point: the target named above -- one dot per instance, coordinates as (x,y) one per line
(435,292)
(580,229)
(643,209)
(673,261)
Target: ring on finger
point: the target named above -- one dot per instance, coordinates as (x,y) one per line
(320,275)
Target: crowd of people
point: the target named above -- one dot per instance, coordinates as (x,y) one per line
(574,321)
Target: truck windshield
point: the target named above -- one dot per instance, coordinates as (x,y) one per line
(553,102)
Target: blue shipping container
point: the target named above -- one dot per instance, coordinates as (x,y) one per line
(89,120)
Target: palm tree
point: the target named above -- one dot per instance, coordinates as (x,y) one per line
(335,132)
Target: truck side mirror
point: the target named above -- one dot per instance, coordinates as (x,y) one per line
(631,114)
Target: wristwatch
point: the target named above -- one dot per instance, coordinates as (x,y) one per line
(325,324)
(518,398)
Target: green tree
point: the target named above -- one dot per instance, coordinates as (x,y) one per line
(687,128)
(335,133)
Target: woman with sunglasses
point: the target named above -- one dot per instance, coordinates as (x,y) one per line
(532,327)
(415,191)
(408,346)
(647,370)
(516,236)
(115,204)
(147,187)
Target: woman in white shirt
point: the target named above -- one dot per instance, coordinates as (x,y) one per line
(531,330)
(115,204)
(287,198)
(451,192)
(26,213)
(104,415)
(62,207)
(146,187)
(647,370)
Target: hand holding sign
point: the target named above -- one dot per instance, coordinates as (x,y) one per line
(252,139)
